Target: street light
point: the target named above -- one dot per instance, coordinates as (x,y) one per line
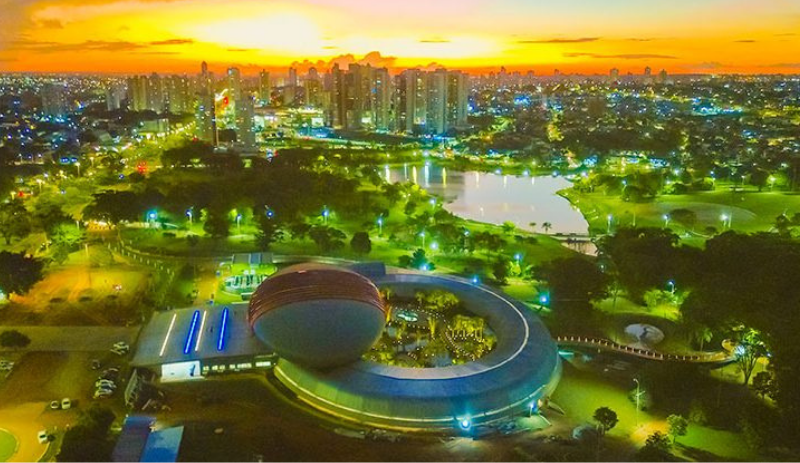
(666,220)
(380,225)
(608,229)
(239,223)
(671,284)
(190,214)
(422,234)
(78,165)
(636,380)
(325,214)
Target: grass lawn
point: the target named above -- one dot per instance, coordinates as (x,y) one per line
(580,393)
(8,445)
(750,211)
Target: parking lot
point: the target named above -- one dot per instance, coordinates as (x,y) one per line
(39,378)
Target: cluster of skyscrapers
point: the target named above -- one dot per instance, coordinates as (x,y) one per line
(360,97)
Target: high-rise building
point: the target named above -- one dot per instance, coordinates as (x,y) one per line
(410,101)
(155,93)
(234,84)
(205,114)
(244,122)
(381,92)
(137,93)
(436,117)
(54,100)
(178,96)
(290,87)
(614,74)
(264,88)
(115,93)
(457,99)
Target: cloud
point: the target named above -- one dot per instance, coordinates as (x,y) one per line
(434,41)
(89,45)
(782,65)
(173,42)
(578,40)
(632,56)
(745,41)
(50,24)
(238,50)
(706,66)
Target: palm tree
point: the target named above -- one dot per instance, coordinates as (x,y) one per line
(704,335)
(547,226)
(532,225)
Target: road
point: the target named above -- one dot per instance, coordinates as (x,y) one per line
(74,338)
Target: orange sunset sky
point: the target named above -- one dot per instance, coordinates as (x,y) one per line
(575,36)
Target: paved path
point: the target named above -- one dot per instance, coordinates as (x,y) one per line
(718,358)
(74,338)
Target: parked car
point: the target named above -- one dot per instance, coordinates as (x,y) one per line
(120,350)
(66,404)
(105,383)
(43,437)
(55,405)
(96,364)
(6,365)
(103,393)
(111,374)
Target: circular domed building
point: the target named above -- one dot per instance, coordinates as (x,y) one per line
(321,320)
(317,315)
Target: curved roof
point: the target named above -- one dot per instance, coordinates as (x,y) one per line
(312,282)
(522,367)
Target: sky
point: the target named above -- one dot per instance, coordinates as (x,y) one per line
(574,36)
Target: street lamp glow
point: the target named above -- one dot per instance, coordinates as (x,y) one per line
(465,423)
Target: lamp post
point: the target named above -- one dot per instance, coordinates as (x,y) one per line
(78,165)
(608,228)
(636,380)
(239,223)
(666,220)
(422,234)
(671,284)
(380,225)
(325,214)
(190,214)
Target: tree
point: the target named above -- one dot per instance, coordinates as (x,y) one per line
(217,225)
(19,272)
(327,239)
(606,419)
(750,348)
(678,426)
(574,282)
(14,220)
(89,439)
(66,238)
(115,207)
(268,233)
(14,339)
(656,448)
(546,226)
(500,270)
(508,227)
(360,243)
(417,260)
(703,334)
(763,384)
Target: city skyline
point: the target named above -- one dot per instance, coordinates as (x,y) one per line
(113,36)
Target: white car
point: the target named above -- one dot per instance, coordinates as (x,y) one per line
(66,404)
(105,383)
(120,350)
(55,405)
(43,437)
(121,345)
(6,365)
(103,393)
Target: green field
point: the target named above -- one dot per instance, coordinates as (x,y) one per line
(749,210)
(8,445)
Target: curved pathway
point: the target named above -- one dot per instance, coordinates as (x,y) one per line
(716,358)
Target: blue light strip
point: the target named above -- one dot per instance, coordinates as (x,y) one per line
(188,346)
(221,340)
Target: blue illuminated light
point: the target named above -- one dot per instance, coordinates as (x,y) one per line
(187,347)
(221,340)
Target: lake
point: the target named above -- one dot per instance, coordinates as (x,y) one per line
(496,198)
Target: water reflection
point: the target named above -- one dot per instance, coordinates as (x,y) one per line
(495,198)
